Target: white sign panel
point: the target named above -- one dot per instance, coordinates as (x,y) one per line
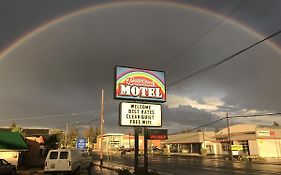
(140,114)
(263,133)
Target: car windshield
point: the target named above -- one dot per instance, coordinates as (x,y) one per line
(4,162)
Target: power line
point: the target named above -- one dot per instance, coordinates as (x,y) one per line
(197,127)
(49,116)
(55,115)
(212,66)
(255,115)
(204,34)
(91,120)
(230,117)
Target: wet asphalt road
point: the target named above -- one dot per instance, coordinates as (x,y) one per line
(197,165)
(40,171)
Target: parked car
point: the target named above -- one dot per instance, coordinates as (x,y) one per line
(66,161)
(7,168)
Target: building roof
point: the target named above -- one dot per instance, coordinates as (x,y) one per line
(12,141)
(190,137)
(239,128)
(31,131)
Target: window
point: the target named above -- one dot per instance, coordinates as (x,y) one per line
(225,147)
(245,145)
(4,162)
(54,155)
(63,155)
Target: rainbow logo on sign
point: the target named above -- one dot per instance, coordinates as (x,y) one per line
(139,84)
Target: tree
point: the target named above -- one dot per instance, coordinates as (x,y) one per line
(53,142)
(15,128)
(217,129)
(96,134)
(275,123)
(72,136)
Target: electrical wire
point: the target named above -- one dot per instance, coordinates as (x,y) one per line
(256,115)
(209,123)
(203,35)
(231,117)
(49,116)
(56,115)
(222,61)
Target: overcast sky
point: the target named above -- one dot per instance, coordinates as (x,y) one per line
(56,56)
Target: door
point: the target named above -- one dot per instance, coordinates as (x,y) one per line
(51,161)
(5,167)
(64,161)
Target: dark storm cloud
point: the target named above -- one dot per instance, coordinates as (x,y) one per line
(64,68)
(186,115)
(20,17)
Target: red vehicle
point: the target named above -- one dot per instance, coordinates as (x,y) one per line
(7,168)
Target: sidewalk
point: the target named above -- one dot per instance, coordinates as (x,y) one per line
(269,161)
(114,166)
(30,171)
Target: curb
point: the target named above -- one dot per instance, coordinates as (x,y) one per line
(117,169)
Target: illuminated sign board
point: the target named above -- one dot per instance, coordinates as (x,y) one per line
(236,147)
(157,134)
(139,84)
(140,114)
(265,133)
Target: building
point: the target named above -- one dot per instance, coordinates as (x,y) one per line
(32,155)
(191,142)
(246,140)
(12,146)
(259,141)
(115,141)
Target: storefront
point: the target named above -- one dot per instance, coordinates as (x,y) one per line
(190,142)
(259,141)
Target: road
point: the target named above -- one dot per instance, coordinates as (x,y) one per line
(40,171)
(196,165)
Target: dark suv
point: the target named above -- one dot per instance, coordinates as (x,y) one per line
(7,168)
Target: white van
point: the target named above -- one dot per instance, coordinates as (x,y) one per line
(66,161)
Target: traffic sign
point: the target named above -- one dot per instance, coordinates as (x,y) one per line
(81,143)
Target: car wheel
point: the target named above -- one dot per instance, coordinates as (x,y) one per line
(78,170)
(13,172)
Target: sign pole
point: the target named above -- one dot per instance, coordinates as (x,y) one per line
(101,128)
(145,150)
(136,149)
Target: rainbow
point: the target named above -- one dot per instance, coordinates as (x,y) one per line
(97,7)
(141,74)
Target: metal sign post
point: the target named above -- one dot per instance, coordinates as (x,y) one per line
(145,150)
(136,148)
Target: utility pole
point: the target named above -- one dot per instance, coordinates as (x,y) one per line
(66,133)
(101,128)
(229,137)
(204,145)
